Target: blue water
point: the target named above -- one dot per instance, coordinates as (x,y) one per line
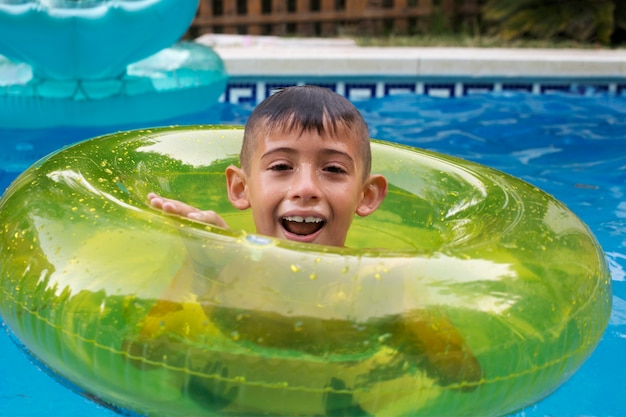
(573,147)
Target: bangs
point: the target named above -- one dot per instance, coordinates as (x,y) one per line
(321,123)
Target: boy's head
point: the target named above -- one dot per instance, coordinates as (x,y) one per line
(305,167)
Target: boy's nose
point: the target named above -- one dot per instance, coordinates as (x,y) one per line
(305,184)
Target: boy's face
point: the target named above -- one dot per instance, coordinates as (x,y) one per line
(305,188)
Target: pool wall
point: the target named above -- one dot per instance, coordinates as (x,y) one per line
(259,65)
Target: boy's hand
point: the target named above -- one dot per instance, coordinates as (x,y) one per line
(179,208)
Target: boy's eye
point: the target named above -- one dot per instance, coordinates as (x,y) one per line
(279,167)
(335,169)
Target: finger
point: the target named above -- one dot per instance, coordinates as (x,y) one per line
(170,206)
(208,216)
(156,200)
(177,207)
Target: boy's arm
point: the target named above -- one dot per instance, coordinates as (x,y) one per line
(179,208)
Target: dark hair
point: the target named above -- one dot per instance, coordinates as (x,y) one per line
(306,109)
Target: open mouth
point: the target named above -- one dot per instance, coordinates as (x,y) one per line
(302,226)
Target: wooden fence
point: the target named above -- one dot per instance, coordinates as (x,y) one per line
(326,17)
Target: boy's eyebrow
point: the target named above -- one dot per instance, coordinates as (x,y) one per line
(287,149)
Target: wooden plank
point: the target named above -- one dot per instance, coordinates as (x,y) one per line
(253,8)
(230,14)
(328,27)
(400,26)
(355,8)
(279,7)
(373,26)
(423,23)
(205,9)
(304,27)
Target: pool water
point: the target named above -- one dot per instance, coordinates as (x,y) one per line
(571,146)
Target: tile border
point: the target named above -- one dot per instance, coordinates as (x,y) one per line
(241,90)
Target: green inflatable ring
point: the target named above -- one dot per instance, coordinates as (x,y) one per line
(489,293)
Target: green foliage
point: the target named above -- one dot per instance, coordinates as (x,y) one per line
(582,20)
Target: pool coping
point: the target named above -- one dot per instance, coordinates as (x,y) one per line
(247,56)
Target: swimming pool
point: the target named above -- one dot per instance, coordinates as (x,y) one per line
(571,146)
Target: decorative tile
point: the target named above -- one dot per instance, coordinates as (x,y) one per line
(360,91)
(554,88)
(517,87)
(589,89)
(250,91)
(392,88)
(238,93)
(440,90)
(477,88)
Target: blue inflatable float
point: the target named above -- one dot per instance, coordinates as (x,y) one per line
(102,62)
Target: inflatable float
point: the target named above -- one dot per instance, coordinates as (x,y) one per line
(487,296)
(102,63)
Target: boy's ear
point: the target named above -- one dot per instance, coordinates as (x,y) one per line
(236,187)
(374,193)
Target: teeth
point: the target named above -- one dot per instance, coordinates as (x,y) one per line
(307,219)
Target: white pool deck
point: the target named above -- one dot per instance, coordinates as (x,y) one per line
(274,56)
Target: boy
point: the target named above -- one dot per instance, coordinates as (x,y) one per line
(305,169)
